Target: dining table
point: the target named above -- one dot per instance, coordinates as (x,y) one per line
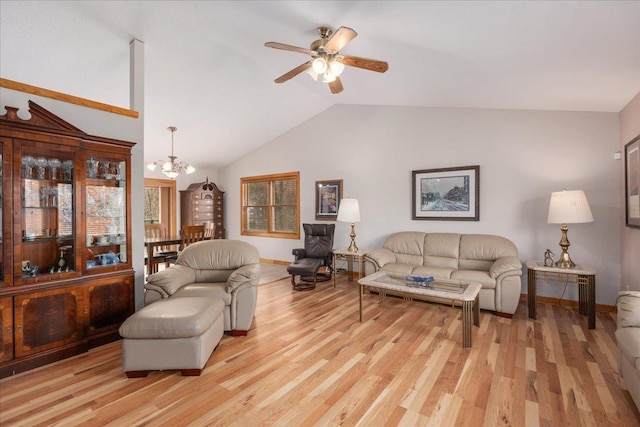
(153,242)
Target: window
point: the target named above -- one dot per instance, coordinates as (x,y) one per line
(271,205)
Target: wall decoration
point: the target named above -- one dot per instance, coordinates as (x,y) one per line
(328,195)
(632,182)
(447,194)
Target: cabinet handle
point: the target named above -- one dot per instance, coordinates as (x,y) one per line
(8,329)
(18,327)
(86,310)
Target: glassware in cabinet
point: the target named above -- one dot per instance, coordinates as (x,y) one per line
(47,215)
(106,212)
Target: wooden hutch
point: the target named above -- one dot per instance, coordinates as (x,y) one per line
(202,203)
(66,278)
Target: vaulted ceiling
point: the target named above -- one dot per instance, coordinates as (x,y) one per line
(208,73)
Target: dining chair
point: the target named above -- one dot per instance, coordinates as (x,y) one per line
(162,252)
(189,234)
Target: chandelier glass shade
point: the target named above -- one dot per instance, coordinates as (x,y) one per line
(172,168)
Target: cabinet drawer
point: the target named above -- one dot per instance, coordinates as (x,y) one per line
(202,216)
(202,209)
(202,202)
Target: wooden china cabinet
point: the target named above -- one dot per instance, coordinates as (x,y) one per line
(67,281)
(201,204)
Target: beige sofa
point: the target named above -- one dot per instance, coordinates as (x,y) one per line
(489,260)
(628,339)
(225,269)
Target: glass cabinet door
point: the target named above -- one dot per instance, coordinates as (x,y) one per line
(47,214)
(106,212)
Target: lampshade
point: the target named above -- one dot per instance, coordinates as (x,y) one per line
(319,65)
(336,67)
(349,210)
(569,207)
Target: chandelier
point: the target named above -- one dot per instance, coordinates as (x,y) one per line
(172,168)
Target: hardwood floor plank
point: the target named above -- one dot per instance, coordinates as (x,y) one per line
(308,361)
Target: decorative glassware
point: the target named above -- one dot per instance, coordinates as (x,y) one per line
(28,162)
(54,164)
(67,167)
(41,164)
(92,168)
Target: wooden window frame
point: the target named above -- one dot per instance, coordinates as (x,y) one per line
(269,179)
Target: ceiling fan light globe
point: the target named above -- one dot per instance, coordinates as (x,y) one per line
(328,77)
(319,65)
(336,67)
(313,74)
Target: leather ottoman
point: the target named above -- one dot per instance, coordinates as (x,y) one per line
(172,334)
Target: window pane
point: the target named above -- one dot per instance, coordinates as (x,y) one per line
(284,192)
(284,219)
(151,205)
(257,193)
(257,219)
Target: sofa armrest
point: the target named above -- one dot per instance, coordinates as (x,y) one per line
(380,257)
(169,280)
(628,309)
(247,274)
(510,265)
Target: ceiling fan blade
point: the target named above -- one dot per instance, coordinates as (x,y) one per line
(288,47)
(340,39)
(336,86)
(288,75)
(365,63)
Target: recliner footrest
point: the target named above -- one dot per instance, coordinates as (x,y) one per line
(305,266)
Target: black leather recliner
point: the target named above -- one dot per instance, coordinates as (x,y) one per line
(317,252)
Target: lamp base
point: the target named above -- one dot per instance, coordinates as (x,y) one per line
(353,248)
(565,261)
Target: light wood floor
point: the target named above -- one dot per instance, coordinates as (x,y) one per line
(309,361)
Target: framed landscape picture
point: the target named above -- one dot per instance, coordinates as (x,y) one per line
(447,194)
(632,182)
(328,195)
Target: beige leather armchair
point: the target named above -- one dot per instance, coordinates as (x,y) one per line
(225,269)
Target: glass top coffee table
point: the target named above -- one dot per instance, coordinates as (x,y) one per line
(455,292)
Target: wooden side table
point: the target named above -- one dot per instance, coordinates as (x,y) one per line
(584,277)
(350,257)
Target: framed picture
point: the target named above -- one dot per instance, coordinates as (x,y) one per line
(447,194)
(328,195)
(632,182)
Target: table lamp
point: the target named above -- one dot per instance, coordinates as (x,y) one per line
(568,207)
(349,211)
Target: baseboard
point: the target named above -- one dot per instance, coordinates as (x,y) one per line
(568,303)
(275,261)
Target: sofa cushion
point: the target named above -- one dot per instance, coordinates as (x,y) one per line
(629,309)
(173,318)
(394,267)
(629,342)
(437,272)
(479,251)
(210,290)
(407,245)
(441,250)
(481,277)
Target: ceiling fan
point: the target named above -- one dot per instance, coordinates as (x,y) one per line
(326,59)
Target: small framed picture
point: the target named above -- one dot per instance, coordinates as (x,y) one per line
(447,194)
(632,182)
(328,195)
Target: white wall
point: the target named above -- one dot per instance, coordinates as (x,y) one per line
(523,157)
(629,129)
